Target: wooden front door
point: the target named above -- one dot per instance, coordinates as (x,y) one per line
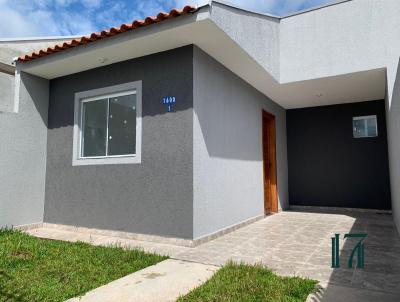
(269,163)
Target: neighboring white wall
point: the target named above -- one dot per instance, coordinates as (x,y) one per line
(227,131)
(257,34)
(344,38)
(6,92)
(349,37)
(23,138)
(11,48)
(393,128)
(340,39)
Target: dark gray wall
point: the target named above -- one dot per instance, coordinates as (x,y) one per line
(154,197)
(328,167)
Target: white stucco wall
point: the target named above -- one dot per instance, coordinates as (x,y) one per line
(341,39)
(344,38)
(352,36)
(227,148)
(257,34)
(393,128)
(10,49)
(23,138)
(6,92)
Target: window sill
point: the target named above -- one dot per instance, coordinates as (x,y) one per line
(122,160)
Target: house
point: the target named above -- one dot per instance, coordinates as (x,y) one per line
(183,126)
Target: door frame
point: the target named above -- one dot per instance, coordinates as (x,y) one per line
(269,159)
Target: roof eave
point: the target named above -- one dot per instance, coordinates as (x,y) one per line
(142,38)
(113,31)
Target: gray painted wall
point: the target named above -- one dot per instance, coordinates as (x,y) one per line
(23,137)
(227,167)
(154,197)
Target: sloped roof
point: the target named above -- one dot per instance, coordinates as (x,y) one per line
(108,33)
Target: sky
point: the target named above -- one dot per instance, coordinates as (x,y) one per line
(33,18)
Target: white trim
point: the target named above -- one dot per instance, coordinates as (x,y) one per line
(97,98)
(108,96)
(17,89)
(96,94)
(107,125)
(81,138)
(355,118)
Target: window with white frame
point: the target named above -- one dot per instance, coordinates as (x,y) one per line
(108,125)
(365,126)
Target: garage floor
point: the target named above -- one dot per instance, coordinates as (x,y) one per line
(294,243)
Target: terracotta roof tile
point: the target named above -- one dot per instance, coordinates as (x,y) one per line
(107,33)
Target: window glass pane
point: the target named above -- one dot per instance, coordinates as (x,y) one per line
(359,129)
(371,127)
(122,125)
(94,130)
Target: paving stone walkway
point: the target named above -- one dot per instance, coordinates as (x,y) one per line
(292,243)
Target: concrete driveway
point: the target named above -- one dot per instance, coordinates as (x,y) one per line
(296,243)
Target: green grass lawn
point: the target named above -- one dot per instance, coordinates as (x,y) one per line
(33,269)
(245,283)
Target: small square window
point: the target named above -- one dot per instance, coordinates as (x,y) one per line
(365,126)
